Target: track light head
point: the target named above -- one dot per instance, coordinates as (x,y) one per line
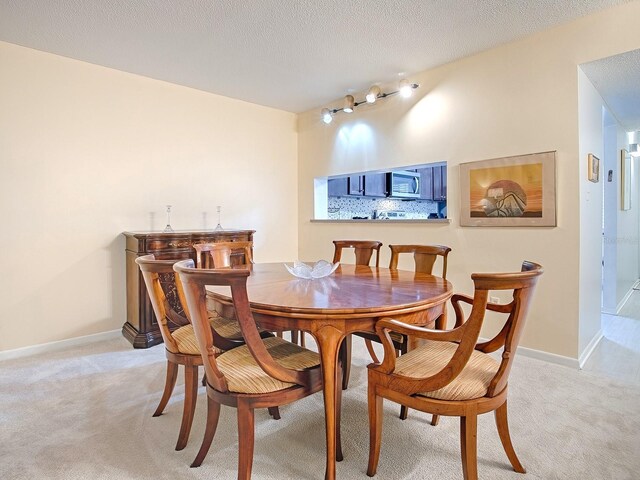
(326,115)
(372,94)
(349,102)
(405,88)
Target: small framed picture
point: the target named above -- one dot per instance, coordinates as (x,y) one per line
(594,168)
(625,180)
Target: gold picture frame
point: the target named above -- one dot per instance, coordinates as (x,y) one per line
(593,166)
(625,180)
(518,191)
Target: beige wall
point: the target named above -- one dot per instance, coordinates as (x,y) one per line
(87,152)
(516,99)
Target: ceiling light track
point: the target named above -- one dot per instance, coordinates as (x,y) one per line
(405,89)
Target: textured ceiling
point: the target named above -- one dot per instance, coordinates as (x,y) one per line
(289,54)
(617,79)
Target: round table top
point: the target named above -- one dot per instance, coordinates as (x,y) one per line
(351,289)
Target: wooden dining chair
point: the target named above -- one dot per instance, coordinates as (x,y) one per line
(363,250)
(220,254)
(263,373)
(425,257)
(180,344)
(451,373)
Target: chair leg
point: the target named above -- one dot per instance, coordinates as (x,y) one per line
(371,351)
(505,438)
(190,396)
(213,414)
(435,419)
(375,429)
(339,456)
(169,384)
(404,410)
(274,412)
(246,425)
(346,364)
(469,446)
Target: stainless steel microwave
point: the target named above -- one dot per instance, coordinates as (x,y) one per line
(404,184)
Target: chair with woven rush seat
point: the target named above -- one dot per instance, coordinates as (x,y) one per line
(451,373)
(263,373)
(425,257)
(181,347)
(363,250)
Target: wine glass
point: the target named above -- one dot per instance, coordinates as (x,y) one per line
(168,228)
(218,226)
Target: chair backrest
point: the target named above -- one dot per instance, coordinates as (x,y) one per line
(158,274)
(191,283)
(424,257)
(363,250)
(523,285)
(219,255)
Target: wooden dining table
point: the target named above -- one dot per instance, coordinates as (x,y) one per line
(352,299)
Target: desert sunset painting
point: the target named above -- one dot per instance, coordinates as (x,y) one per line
(506,191)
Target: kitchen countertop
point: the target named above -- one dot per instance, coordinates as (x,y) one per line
(383,222)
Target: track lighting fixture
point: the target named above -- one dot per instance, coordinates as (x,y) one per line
(373,94)
(326,115)
(349,103)
(405,89)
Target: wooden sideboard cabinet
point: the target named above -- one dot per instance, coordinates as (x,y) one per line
(141,327)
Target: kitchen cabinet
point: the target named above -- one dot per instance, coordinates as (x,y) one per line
(426,183)
(338,187)
(440,183)
(141,327)
(356,185)
(433,183)
(370,185)
(375,185)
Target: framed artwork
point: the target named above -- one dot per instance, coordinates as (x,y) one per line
(515,191)
(594,168)
(625,180)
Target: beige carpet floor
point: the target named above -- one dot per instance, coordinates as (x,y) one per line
(86,414)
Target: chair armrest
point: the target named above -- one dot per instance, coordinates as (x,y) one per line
(443,377)
(384,325)
(461,298)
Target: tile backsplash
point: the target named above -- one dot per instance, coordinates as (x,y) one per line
(345,208)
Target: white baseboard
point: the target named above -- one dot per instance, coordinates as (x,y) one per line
(590,348)
(624,299)
(549,357)
(59,345)
(545,356)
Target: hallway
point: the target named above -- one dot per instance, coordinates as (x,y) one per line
(618,353)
